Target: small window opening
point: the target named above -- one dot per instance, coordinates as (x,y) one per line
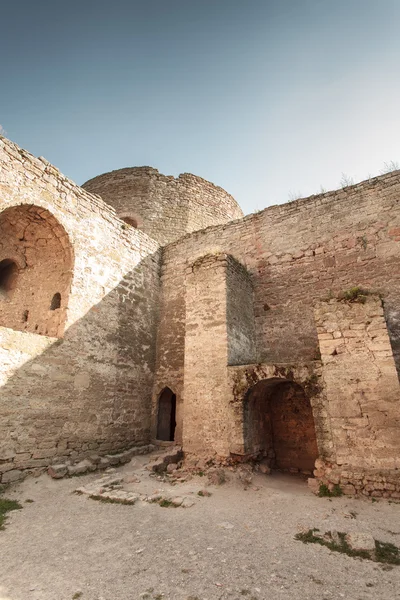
(25,316)
(130,221)
(55,301)
(8,275)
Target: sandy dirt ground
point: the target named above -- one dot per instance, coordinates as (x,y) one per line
(236,544)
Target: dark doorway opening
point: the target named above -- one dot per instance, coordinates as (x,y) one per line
(279,425)
(166,416)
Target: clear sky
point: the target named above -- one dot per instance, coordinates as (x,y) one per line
(267,98)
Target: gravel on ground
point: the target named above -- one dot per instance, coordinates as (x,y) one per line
(235,544)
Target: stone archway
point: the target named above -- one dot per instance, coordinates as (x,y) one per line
(36,262)
(166,415)
(279,425)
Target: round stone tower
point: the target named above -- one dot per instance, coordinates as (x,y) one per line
(164,207)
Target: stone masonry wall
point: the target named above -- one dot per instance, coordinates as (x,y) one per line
(295,254)
(170,354)
(166,208)
(240,315)
(361,383)
(90,390)
(207,419)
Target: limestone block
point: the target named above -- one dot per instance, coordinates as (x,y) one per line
(360,541)
(11,476)
(57,471)
(81,467)
(313,484)
(177,501)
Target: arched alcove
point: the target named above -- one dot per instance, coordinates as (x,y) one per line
(36,263)
(166,415)
(279,425)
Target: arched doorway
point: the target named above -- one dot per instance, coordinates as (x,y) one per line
(36,262)
(166,415)
(279,425)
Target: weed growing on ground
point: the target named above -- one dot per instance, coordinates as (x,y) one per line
(383,553)
(387,553)
(325,492)
(5,507)
(165,503)
(355,294)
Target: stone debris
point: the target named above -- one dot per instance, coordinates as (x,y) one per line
(110,488)
(313,485)
(188,503)
(154,498)
(172,467)
(57,471)
(95,462)
(82,467)
(177,501)
(360,541)
(170,457)
(131,479)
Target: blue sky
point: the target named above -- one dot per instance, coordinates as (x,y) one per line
(268,99)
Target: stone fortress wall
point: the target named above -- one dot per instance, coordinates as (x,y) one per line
(75,380)
(295,255)
(239,324)
(164,207)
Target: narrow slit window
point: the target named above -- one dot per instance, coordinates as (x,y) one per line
(8,275)
(55,301)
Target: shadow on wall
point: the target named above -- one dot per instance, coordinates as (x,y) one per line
(86,392)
